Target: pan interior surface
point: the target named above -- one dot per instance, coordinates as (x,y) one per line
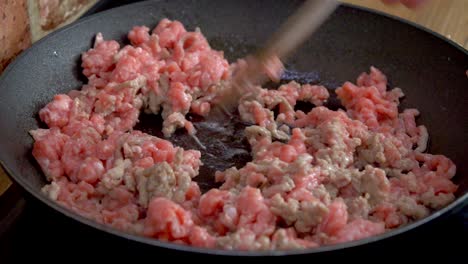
(430,71)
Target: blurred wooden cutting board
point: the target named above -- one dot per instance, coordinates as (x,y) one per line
(447,17)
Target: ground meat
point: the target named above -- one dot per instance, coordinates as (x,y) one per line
(52,190)
(411,208)
(335,219)
(244,239)
(156,181)
(114,177)
(374,183)
(316,178)
(436,201)
(358,207)
(311,213)
(286,239)
(357,229)
(57,112)
(167,220)
(287,210)
(48,150)
(173,122)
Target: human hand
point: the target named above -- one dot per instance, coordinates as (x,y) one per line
(407,3)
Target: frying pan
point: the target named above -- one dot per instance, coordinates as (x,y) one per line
(431,71)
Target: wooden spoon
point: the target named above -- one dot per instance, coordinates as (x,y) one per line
(282,43)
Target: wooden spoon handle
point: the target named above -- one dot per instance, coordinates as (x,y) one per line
(299,27)
(283,42)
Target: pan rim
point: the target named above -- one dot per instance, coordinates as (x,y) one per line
(459,202)
(411,24)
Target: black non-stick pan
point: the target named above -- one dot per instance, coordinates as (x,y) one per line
(430,69)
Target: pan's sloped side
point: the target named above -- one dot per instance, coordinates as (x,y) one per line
(431,71)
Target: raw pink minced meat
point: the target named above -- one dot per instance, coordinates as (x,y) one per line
(316,178)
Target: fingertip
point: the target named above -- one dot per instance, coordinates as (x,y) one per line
(390,2)
(413,3)
(408,3)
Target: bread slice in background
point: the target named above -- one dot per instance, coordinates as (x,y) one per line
(22,22)
(15,34)
(49,15)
